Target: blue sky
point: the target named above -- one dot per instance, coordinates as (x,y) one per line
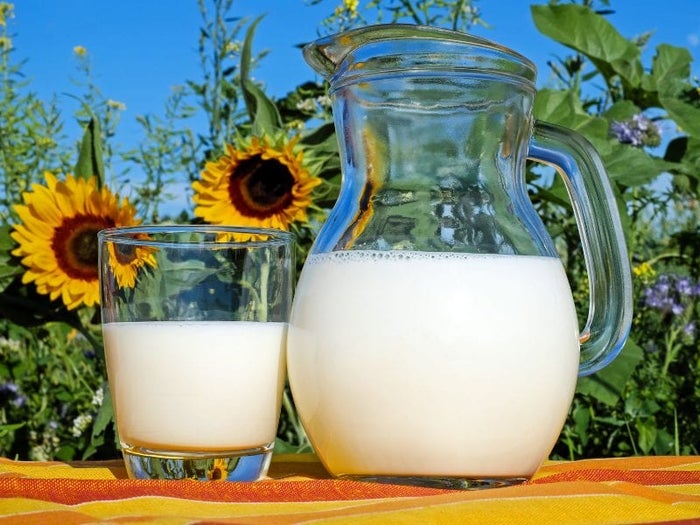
(141,49)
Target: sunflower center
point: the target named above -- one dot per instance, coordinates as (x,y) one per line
(260,187)
(125,253)
(74,245)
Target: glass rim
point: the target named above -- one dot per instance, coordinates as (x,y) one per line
(130,235)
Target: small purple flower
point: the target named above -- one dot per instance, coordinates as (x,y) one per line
(638,131)
(689,329)
(670,294)
(9,389)
(684,286)
(10,393)
(625,133)
(677,308)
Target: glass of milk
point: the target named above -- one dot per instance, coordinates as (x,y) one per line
(194,321)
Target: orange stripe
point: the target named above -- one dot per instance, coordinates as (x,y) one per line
(624,463)
(640,477)
(74,491)
(64,517)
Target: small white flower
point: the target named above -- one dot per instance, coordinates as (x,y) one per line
(98,397)
(115,104)
(9,344)
(38,453)
(80,423)
(308,104)
(324,101)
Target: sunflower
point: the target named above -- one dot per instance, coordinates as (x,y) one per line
(259,185)
(57,237)
(125,261)
(219,470)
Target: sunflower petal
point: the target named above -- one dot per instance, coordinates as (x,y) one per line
(53,216)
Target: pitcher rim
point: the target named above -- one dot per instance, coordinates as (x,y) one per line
(328,54)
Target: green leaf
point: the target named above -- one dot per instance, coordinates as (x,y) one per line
(664,443)
(582,418)
(9,266)
(90,162)
(646,433)
(7,273)
(670,64)
(687,116)
(262,111)
(556,106)
(6,242)
(564,108)
(621,110)
(104,417)
(282,447)
(102,421)
(671,69)
(587,32)
(65,453)
(322,135)
(632,166)
(607,385)
(6,430)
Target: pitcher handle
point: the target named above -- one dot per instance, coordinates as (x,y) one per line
(602,238)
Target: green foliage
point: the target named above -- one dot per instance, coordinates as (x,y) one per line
(645,402)
(50,394)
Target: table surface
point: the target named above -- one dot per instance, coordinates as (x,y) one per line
(622,490)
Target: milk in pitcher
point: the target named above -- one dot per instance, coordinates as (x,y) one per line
(424,364)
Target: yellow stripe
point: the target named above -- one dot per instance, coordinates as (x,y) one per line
(536,510)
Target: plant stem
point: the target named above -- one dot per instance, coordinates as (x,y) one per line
(676,438)
(671,350)
(631,437)
(294,419)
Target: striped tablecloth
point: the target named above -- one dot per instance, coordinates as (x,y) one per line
(623,490)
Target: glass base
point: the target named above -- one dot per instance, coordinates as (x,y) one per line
(239,465)
(446,482)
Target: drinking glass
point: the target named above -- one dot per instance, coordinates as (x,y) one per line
(194,320)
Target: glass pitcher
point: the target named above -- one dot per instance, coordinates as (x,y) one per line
(433,337)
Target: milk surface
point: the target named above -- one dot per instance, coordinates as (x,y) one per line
(196,386)
(407,363)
